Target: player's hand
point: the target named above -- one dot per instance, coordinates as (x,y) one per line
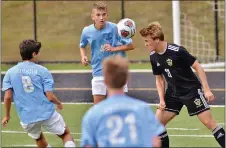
(85,60)
(162,105)
(5,120)
(108,47)
(209,96)
(60,106)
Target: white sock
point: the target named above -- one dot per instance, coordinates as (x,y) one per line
(69,144)
(48,145)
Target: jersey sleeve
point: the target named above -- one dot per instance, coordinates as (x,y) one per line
(83,39)
(6,83)
(186,56)
(87,137)
(156,128)
(155,69)
(48,82)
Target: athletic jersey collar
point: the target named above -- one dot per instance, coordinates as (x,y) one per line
(100,29)
(161,53)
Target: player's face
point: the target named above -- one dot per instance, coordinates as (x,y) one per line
(150,43)
(99,17)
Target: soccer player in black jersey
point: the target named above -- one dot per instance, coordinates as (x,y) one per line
(172,63)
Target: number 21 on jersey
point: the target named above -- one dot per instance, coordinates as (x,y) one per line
(117,123)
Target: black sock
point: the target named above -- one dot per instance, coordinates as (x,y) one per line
(164,139)
(219,135)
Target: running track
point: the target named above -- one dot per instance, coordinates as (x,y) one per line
(75,86)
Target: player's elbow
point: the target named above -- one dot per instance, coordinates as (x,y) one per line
(196,66)
(131,46)
(49,95)
(8,95)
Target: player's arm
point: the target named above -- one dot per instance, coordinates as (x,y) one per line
(87,138)
(7,87)
(160,85)
(202,75)
(82,45)
(48,84)
(52,98)
(124,47)
(191,61)
(125,44)
(7,102)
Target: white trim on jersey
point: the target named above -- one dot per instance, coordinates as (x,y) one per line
(174,48)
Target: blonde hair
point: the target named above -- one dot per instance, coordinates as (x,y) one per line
(115,69)
(100,6)
(154,30)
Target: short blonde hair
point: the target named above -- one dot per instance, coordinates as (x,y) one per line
(115,69)
(100,6)
(154,30)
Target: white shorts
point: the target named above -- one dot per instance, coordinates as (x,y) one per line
(55,125)
(99,87)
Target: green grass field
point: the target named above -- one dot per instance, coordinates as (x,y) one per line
(184,131)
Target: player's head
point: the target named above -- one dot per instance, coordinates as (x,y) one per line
(153,35)
(99,13)
(115,69)
(29,49)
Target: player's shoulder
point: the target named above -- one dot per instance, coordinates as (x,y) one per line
(87,28)
(174,47)
(153,55)
(111,24)
(11,70)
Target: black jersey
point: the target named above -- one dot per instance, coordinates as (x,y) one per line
(175,64)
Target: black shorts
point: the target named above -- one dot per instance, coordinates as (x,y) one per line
(194,101)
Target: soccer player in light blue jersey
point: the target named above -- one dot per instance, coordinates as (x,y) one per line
(104,42)
(119,120)
(30,86)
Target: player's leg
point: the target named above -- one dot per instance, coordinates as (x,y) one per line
(199,106)
(207,119)
(98,98)
(99,89)
(34,131)
(173,107)
(41,141)
(56,125)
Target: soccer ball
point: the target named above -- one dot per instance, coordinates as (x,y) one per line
(126,28)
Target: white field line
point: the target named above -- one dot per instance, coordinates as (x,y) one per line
(23,132)
(84,103)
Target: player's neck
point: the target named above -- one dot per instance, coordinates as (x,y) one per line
(161,48)
(31,60)
(99,27)
(112,92)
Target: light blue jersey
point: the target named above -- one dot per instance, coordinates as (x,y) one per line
(97,38)
(29,82)
(120,121)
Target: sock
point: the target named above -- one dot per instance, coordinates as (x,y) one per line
(48,145)
(69,144)
(164,139)
(219,135)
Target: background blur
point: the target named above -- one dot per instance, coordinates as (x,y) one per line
(60,23)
